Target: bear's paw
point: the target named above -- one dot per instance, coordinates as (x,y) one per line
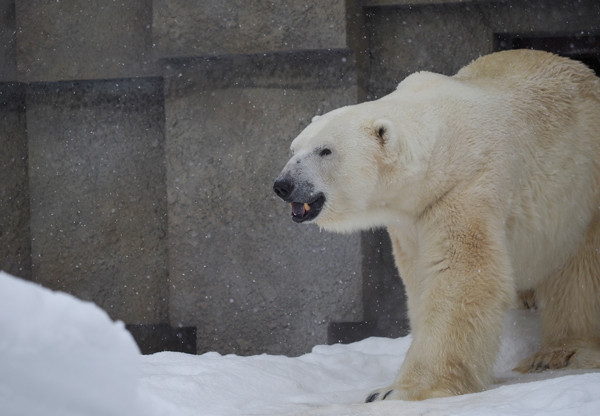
(560,357)
(404,392)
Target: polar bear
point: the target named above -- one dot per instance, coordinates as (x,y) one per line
(488,183)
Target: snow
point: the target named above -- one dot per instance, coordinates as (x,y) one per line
(62,356)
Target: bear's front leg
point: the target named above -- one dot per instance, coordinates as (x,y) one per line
(459,286)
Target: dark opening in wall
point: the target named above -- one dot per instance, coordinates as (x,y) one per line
(163,337)
(583,47)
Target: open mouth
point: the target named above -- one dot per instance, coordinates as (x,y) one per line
(306,211)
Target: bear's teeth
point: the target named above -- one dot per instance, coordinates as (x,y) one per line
(306,207)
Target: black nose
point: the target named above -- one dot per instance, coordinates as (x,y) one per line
(283,188)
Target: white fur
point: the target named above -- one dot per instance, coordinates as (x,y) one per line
(488,182)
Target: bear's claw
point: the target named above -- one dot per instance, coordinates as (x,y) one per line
(374,396)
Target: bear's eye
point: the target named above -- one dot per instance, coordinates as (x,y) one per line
(325,152)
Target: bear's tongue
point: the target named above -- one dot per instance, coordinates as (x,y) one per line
(299,209)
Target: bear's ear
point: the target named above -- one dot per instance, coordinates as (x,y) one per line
(383,130)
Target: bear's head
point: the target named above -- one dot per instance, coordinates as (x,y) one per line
(341,169)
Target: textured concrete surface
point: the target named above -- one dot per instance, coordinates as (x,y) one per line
(98,194)
(8,52)
(182,28)
(84,39)
(383,293)
(403,41)
(241,271)
(15,240)
(445,37)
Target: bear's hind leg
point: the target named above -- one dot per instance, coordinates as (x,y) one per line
(569,304)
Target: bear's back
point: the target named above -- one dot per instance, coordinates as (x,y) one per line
(524,68)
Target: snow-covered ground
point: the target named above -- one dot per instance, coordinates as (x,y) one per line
(62,356)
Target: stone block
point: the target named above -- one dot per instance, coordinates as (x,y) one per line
(8,61)
(214,27)
(241,271)
(405,40)
(445,37)
(384,298)
(98,194)
(15,247)
(83,39)
(531,17)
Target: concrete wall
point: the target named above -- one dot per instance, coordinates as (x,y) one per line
(235,255)
(15,239)
(214,27)
(445,37)
(91,39)
(140,140)
(98,193)
(8,47)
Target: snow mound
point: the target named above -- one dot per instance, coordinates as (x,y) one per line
(62,356)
